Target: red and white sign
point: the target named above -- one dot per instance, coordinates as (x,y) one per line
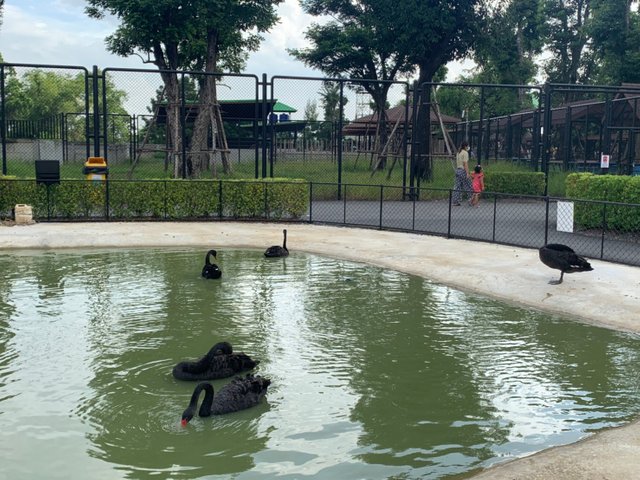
(604,161)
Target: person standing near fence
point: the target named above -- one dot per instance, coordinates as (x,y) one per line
(478,185)
(463,178)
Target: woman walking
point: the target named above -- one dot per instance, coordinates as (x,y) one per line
(463,178)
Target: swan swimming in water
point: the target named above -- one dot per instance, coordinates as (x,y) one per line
(211,270)
(277,250)
(239,394)
(219,362)
(563,258)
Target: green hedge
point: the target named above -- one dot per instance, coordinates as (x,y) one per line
(515,183)
(611,188)
(173,199)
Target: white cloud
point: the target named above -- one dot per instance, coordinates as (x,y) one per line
(58,32)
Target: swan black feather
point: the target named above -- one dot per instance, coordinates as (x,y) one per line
(563,258)
(219,362)
(277,250)
(211,270)
(239,394)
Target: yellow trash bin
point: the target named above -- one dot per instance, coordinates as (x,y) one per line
(95,168)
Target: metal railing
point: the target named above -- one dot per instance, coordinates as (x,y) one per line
(596,229)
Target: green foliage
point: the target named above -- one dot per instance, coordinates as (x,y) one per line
(611,188)
(270,198)
(178,34)
(515,183)
(175,199)
(70,199)
(40,94)
(136,199)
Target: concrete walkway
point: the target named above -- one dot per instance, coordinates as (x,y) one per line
(609,296)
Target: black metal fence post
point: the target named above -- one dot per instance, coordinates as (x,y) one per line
(381,202)
(546,220)
(449,214)
(344,205)
(495,216)
(310,202)
(3,122)
(604,227)
(220,209)
(96,113)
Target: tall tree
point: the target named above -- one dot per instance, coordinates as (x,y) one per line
(435,33)
(614,28)
(189,34)
(359,43)
(506,53)
(567,41)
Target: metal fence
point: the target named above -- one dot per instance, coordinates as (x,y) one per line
(596,229)
(317,129)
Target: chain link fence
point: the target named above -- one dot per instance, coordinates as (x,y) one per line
(150,124)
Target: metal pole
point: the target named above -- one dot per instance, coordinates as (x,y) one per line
(3,124)
(265,118)
(96,113)
(546,136)
(183,126)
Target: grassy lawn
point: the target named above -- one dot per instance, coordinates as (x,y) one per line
(355,170)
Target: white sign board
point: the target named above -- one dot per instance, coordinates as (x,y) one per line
(604,161)
(564,220)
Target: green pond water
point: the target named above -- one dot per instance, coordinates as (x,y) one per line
(375,374)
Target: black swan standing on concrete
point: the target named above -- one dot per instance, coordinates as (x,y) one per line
(211,270)
(563,258)
(277,250)
(219,362)
(239,394)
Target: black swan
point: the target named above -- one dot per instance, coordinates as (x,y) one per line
(563,258)
(211,270)
(277,250)
(240,393)
(219,362)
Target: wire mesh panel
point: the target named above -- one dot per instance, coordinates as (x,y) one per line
(590,121)
(181,124)
(327,130)
(45,117)
(605,230)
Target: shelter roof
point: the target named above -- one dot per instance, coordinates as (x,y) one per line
(367,124)
(234,110)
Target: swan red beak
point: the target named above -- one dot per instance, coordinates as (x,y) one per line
(183,422)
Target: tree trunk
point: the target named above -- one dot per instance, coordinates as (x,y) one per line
(422,125)
(208,115)
(167,61)
(380,100)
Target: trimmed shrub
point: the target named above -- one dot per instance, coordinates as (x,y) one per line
(177,199)
(515,183)
(611,188)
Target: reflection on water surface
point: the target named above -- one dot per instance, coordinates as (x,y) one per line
(375,374)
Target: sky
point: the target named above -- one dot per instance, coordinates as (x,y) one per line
(58,32)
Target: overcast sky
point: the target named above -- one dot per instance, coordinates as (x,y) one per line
(57,32)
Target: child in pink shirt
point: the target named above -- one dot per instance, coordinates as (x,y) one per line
(478,185)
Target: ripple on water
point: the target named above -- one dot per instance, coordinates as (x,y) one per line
(375,374)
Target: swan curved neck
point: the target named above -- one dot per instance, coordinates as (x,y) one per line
(205,407)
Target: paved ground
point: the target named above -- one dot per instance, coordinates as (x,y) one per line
(609,296)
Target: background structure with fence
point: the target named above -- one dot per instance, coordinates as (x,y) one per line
(370,152)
